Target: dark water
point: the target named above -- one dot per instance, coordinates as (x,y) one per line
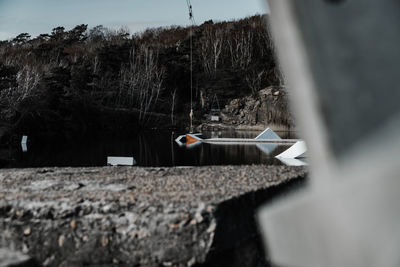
(152,149)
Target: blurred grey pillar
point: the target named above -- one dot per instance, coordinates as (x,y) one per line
(342,61)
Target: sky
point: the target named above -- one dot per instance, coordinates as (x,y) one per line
(41,16)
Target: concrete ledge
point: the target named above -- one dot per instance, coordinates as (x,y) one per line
(124,216)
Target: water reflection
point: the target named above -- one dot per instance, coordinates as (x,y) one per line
(152,148)
(24,142)
(267,148)
(24,147)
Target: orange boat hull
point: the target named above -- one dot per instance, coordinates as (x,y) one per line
(191,139)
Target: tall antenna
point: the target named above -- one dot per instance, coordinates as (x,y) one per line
(192,20)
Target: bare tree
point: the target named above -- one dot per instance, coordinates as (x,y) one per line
(141,82)
(27,81)
(211,48)
(254,80)
(241,47)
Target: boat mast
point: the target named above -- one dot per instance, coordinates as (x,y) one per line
(191,18)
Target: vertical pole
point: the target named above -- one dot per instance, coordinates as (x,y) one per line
(191,79)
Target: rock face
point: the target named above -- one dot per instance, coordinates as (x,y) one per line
(268,107)
(138,216)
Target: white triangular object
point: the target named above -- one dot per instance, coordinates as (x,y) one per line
(268,134)
(298,150)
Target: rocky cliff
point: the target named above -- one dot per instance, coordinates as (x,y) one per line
(266,108)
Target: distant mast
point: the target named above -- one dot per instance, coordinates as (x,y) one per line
(192,21)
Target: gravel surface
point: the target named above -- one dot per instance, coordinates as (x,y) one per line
(123,216)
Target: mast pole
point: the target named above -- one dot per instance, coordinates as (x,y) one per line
(191,63)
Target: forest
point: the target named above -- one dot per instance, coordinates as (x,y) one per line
(77,80)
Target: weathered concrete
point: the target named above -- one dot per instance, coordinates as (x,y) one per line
(123,216)
(10,258)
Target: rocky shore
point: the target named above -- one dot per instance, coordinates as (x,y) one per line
(267,108)
(120,216)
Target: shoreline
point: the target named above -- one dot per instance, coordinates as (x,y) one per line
(258,127)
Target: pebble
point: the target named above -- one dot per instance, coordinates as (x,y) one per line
(19,213)
(61,241)
(25,248)
(212,227)
(104,241)
(210,209)
(198,217)
(173,226)
(49,261)
(191,262)
(27,231)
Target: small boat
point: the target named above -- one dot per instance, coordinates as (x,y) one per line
(266,137)
(267,141)
(189,140)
